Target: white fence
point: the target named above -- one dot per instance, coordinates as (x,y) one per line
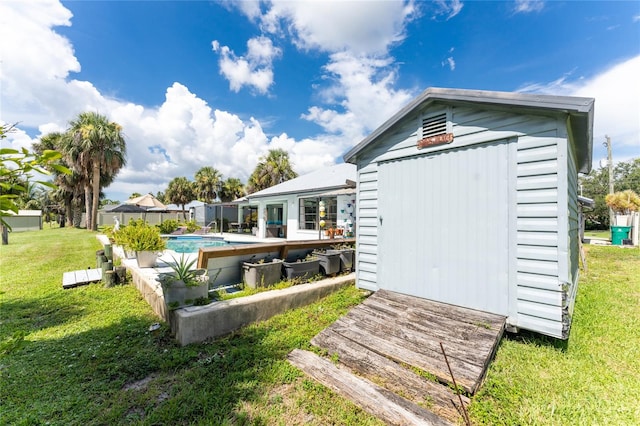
(153,218)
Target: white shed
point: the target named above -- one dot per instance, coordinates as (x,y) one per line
(471,198)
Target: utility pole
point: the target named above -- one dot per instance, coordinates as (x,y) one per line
(610,163)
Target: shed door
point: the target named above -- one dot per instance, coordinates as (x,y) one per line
(444,226)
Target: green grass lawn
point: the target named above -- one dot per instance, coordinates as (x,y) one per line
(594,377)
(86,355)
(598,234)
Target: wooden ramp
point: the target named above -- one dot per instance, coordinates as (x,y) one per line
(392,343)
(81,277)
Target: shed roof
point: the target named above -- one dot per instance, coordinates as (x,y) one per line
(579,110)
(328,178)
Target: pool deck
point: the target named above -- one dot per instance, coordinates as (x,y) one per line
(198,323)
(236,237)
(168,255)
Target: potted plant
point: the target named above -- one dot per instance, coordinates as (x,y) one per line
(261,273)
(623,203)
(184,286)
(329,260)
(305,267)
(121,238)
(346,257)
(146,242)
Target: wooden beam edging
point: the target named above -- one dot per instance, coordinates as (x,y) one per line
(204,254)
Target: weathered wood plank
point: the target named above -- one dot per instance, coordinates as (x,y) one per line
(470,316)
(423,314)
(384,372)
(433,325)
(433,311)
(406,352)
(467,351)
(375,400)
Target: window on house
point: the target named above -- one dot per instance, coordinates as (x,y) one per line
(309,212)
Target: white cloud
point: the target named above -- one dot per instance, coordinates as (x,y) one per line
(527,6)
(16,139)
(448,8)
(173,139)
(617,105)
(255,69)
(357,26)
(363,93)
(450,62)
(360,73)
(636,18)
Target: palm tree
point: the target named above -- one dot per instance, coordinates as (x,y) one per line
(272,170)
(232,188)
(207,182)
(181,191)
(97,150)
(70,185)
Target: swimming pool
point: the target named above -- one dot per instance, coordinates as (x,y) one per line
(191,244)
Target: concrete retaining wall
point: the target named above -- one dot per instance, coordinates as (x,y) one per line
(150,291)
(198,323)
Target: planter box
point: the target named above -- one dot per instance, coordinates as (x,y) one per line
(329,261)
(177,294)
(346,259)
(261,274)
(174,294)
(197,292)
(146,259)
(305,269)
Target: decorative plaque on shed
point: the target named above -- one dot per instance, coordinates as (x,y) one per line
(435,140)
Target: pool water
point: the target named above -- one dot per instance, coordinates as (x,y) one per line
(184,244)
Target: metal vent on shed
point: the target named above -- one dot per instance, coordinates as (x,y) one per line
(435,125)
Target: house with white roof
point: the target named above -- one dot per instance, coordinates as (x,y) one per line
(297,209)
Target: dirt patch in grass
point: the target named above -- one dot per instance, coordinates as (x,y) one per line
(140,385)
(282,398)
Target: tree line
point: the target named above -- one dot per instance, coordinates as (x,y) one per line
(209,184)
(626,175)
(87,157)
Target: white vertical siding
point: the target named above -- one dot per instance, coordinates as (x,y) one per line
(367,228)
(540,295)
(574,235)
(537,251)
(444,226)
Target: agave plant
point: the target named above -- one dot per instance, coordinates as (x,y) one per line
(183,271)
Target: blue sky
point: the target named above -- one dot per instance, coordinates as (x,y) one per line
(220,83)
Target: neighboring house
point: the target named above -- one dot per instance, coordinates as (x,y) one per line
(203,214)
(25,220)
(471,198)
(291,209)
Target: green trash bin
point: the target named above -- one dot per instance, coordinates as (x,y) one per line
(619,233)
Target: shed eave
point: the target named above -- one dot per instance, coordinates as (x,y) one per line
(579,108)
